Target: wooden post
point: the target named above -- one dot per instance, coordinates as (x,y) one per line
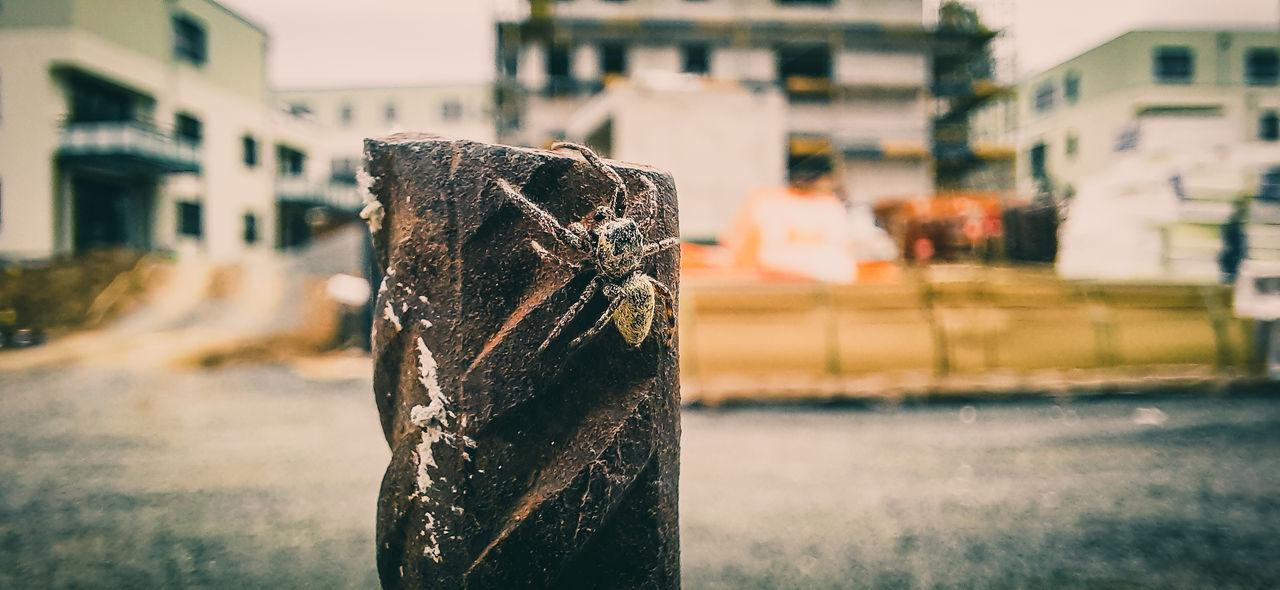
(513,468)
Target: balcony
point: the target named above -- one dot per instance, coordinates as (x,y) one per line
(301,189)
(131,145)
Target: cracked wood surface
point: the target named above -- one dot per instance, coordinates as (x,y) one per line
(512,469)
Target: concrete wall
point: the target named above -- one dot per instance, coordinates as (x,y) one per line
(417,108)
(868,181)
(907,12)
(717,159)
(882,67)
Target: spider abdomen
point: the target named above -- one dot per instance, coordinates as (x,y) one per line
(634,315)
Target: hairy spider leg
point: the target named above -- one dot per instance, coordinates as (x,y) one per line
(669,302)
(619,188)
(650,201)
(654,247)
(544,219)
(604,320)
(550,256)
(568,316)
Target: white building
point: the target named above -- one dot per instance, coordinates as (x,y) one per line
(852,77)
(140,123)
(1071,118)
(349,115)
(1153,137)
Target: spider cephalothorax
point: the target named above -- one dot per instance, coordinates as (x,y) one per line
(615,248)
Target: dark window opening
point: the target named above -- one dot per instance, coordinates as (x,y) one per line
(1039,169)
(1269,127)
(289,161)
(511,61)
(249,146)
(1045,97)
(190,42)
(1071,87)
(346,114)
(805,71)
(451,110)
(343,170)
(805,2)
(695,58)
(389,112)
(1262,66)
(1173,65)
(1073,145)
(95,101)
(190,219)
(613,58)
(299,109)
(250,228)
(559,70)
(188,128)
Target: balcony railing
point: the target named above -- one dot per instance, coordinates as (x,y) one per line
(301,189)
(132,143)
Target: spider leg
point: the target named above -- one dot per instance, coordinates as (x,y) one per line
(572,313)
(550,256)
(540,215)
(669,302)
(650,200)
(600,323)
(619,188)
(654,247)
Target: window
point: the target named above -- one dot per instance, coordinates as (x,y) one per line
(343,170)
(510,61)
(1071,87)
(806,2)
(190,44)
(451,110)
(188,128)
(613,58)
(389,112)
(1036,156)
(299,109)
(559,70)
(804,70)
(1269,126)
(1173,65)
(1262,66)
(695,58)
(345,114)
(190,219)
(250,228)
(1073,145)
(1044,97)
(289,161)
(249,147)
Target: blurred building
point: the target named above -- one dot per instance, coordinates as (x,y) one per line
(141,123)
(1070,120)
(348,115)
(728,94)
(1155,139)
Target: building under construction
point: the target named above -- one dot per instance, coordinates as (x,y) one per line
(732,95)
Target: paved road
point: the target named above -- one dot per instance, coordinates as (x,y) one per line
(256,477)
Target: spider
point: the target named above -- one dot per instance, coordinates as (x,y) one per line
(615,246)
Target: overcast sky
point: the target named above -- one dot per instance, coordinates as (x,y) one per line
(324,43)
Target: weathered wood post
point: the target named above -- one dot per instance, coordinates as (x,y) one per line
(513,467)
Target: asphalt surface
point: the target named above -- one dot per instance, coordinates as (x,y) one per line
(258,477)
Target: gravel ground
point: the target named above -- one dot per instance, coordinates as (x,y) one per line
(258,478)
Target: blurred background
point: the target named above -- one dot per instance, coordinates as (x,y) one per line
(973,293)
